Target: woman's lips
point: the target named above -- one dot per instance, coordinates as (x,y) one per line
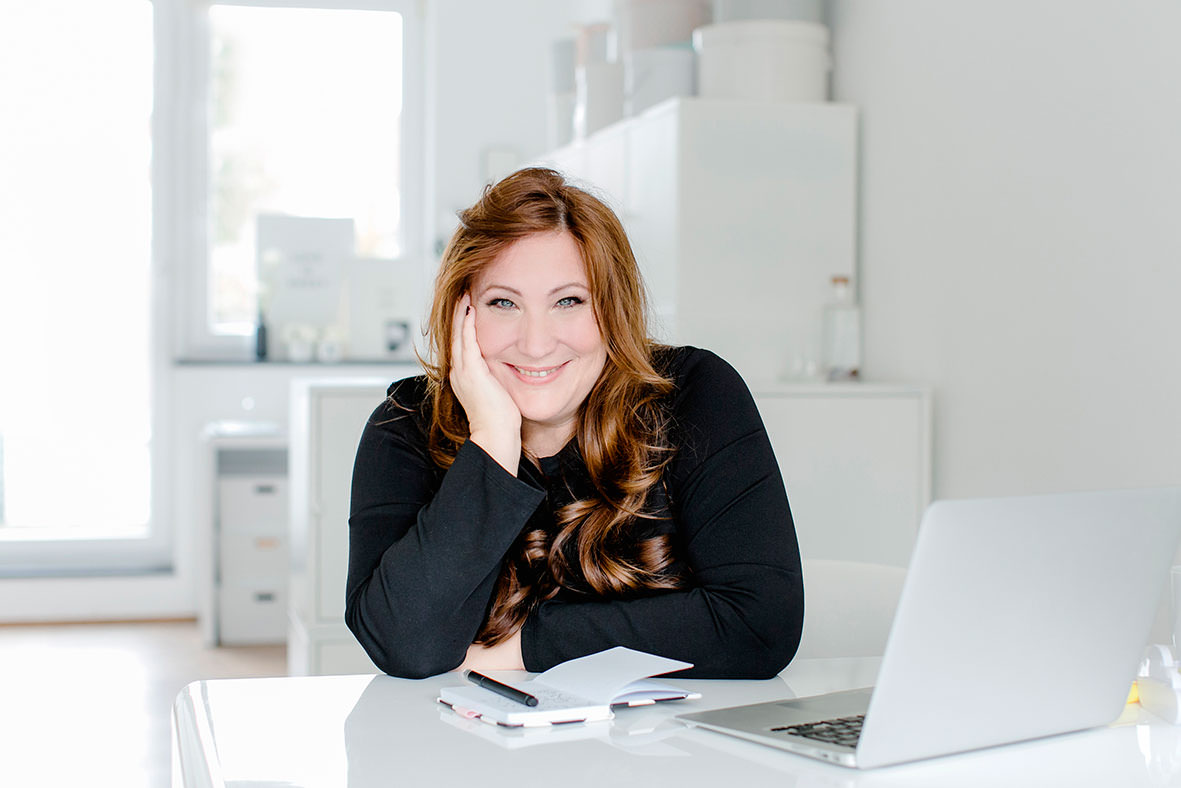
(537,375)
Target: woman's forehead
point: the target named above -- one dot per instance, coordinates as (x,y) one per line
(536,264)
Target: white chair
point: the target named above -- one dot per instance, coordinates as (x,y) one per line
(848,607)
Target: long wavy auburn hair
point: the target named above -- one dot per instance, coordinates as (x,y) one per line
(621,428)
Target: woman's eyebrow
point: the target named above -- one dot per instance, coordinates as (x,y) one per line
(517,292)
(568,284)
(495,286)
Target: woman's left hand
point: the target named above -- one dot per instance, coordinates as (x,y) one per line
(505,655)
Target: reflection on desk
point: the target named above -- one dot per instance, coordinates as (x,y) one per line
(361,731)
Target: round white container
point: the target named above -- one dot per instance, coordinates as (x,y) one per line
(763,60)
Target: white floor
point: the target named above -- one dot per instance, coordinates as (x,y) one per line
(90,704)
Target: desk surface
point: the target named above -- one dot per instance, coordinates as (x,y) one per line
(361,731)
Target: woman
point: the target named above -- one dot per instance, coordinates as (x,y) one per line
(557,483)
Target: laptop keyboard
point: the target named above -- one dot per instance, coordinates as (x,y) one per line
(842,730)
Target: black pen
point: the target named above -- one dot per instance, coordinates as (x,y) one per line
(504,690)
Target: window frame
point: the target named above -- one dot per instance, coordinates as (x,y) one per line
(190,251)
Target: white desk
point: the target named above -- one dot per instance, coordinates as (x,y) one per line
(361,731)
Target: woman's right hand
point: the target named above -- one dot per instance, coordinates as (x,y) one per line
(493,417)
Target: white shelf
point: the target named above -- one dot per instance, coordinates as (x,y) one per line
(739,213)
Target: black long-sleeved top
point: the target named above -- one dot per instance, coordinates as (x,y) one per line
(426,544)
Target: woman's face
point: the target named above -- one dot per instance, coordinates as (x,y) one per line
(538,333)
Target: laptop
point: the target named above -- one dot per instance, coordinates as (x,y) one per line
(1019,618)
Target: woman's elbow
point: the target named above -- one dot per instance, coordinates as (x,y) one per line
(763,656)
(411,668)
(781,652)
(401,654)
(775,630)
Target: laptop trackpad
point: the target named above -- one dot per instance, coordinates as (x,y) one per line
(761,717)
(822,707)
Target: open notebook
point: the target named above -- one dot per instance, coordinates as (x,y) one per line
(578,690)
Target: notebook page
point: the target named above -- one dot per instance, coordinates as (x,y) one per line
(600,677)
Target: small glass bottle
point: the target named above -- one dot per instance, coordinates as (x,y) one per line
(841,333)
(260,338)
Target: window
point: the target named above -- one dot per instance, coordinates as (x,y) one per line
(304,116)
(76,324)
(141,140)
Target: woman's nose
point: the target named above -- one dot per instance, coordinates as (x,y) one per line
(537,338)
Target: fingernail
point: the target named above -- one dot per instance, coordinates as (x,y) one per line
(467,309)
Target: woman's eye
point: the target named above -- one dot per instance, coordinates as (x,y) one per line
(501,303)
(570,301)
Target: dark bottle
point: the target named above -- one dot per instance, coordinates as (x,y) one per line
(260,339)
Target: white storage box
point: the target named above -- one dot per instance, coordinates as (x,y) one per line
(763,60)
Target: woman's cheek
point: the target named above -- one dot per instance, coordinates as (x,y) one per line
(494,333)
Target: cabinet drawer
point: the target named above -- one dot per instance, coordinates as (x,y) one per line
(252,503)
(252,614)
(253,558)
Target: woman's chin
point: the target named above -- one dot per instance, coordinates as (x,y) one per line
(546,430)
(542,419)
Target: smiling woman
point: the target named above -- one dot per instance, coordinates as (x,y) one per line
(558,483)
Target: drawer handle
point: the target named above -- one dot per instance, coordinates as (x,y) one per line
(266,543)
(264,596)
(264,489)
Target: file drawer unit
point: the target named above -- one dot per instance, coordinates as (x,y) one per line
(250,543)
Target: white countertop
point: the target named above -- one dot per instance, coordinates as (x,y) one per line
(361,731)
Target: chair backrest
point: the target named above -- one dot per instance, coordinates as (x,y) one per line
(848,607)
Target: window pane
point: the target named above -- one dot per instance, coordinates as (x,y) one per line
(75,412)
(305,110)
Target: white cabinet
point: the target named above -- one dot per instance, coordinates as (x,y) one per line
(856,459)
(327,417)
(739,212)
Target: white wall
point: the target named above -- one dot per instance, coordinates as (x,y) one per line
(489,78)
(1020,250)
(1021,233)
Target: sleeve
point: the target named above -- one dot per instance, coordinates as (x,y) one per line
(424,554)
(742,615)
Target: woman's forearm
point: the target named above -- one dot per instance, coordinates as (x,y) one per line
(420,581)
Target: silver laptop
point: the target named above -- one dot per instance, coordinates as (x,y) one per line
(1020,618)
